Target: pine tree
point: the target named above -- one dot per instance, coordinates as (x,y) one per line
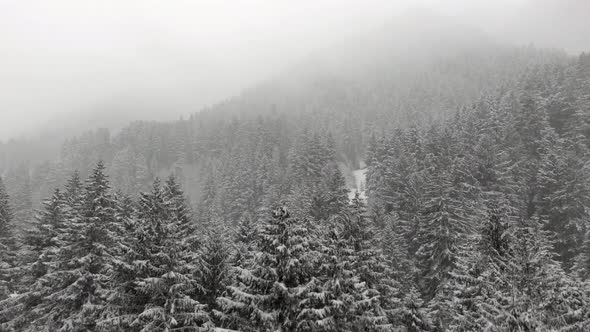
(306,159)
(7,245)
(342,297)
(210,193)
(532,274)
(357,290)
(457,304)
(476,290)
(579,83)
(216,276)
(303,200)
(120,296)
(155,278)
(73,190)
(18,185)
(69,295)
(92,240)
(343,302)
(449,215)
(125,212)
(180,212)
(42,243)
(413,315)
(331,195)
(269,295)
(238,186)
(245,241)
(563,194)
(44,237)
(395,249)
(373,158)
(48,222)
(177,203)
(582,261)
(370,264)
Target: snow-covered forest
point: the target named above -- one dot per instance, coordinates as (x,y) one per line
(442,188)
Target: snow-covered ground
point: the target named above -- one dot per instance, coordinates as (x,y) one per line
(358,184)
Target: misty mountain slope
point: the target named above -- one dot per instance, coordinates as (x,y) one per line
(351,105)
(417,68)
(405,73)
(217,142)
(412,70)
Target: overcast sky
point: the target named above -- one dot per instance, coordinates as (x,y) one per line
(64,56)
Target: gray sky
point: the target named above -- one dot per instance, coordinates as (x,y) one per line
(175,56)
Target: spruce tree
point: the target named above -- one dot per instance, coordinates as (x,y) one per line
(125,212)
(342,297)
(395,249)
(69,295)
(331,195)
(475,293)
(7,245)
(18,185)
(533,276)
(343,302)
(215,276)
(269,295)
(155,277)
(90,249)
(563,180)
(448,217)
(177,204)
(245,241)
(582,261)
(458,303)
(42,244)
(44,237)
(208,208)
(412,313)
(181,213)
(370,264)
(73,191)
(358,291)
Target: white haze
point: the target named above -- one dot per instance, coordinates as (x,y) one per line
(147,59)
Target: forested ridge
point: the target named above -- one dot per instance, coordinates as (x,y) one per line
(476,218)
(270,122)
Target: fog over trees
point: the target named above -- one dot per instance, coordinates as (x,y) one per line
(282,166)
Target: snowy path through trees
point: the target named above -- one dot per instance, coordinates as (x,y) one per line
(359,176)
